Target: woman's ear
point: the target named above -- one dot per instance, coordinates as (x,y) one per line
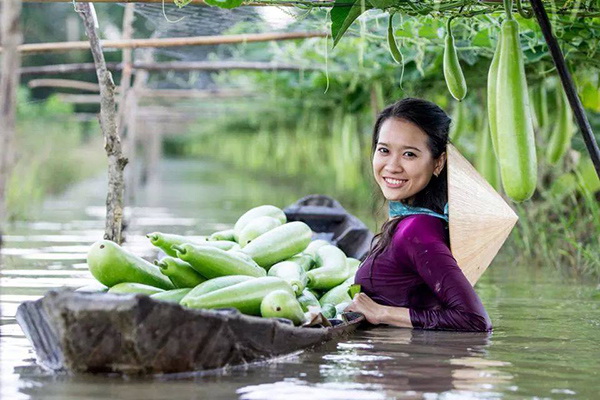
(439,164)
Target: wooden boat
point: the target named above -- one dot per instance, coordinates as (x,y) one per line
(135,334)
(331,222)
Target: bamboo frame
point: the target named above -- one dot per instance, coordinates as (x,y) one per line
(157,94)
(125,84)
(81,98)
(34,48)
(64,84)
(164,66)
(126,106)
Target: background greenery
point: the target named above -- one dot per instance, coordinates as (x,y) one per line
(314,126)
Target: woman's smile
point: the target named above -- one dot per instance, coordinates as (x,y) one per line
(395,183)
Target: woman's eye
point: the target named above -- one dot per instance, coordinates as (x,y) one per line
(382,150)
(410,154)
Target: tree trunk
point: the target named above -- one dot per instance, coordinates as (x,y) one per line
(9,83)
(108,123)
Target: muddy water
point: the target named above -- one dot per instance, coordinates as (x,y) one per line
(544,345)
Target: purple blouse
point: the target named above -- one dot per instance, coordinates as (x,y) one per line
(417,271)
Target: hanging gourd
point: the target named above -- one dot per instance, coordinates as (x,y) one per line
(492,83)
(540,106)
(485,159)
(460,121)
(394,50)
(562,132)
(515,135)
(455,80)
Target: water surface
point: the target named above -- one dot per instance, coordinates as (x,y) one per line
(544,345)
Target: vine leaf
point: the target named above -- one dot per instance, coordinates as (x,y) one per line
(383,4)
(343,14)
(224,3)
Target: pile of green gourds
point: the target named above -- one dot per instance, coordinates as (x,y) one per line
(264,266)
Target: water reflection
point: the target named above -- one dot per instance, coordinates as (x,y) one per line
(393,362)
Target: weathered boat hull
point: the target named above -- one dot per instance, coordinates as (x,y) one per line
(135,334)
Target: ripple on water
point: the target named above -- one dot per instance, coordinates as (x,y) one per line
(40,273)
(55,256)
(49,283)
(292,389)
(71,237)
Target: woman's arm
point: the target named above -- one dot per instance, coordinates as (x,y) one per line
(380,314)
(461,309)
(421,241)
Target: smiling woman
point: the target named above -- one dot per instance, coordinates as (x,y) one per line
(403,165)
(410,277)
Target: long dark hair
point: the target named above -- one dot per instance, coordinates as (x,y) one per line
(436,124)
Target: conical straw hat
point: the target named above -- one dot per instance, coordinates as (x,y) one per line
(479,218)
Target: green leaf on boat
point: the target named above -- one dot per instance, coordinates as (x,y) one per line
(353,290)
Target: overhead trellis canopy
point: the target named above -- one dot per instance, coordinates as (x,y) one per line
(418,26)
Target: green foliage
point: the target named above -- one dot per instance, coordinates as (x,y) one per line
(49,154)
(343,16)
(561,232)
(224,3)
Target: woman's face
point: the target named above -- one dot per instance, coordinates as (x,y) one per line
(403,163)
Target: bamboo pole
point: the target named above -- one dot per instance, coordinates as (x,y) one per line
(195,94)
(64,84)
(112,144)
(126,99)
(567,82)
(32,48)
(155,94)
(9,83)
(125,84)
(171,65)
(81,98)
(141,78)
(153,152)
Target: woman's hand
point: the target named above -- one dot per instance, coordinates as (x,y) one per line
(363,304)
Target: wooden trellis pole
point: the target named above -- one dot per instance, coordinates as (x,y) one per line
(125,84)
(126,99)
(9,83)
(32,48)
(170,65)
(139,85)
(108,123)
(64,84)
(160,94)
